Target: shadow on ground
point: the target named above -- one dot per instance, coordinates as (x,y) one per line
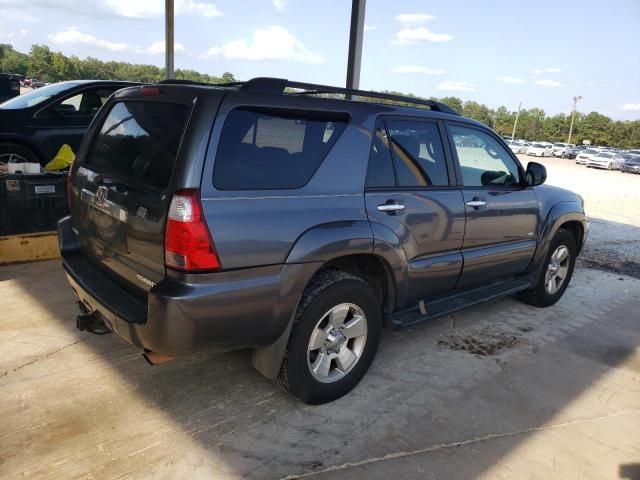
(93,407)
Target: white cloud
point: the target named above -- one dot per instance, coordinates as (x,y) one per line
(591,84)
(538,71)
(280,4)
(548,83)
(158,48)
(75,37)
(273,43)
(416,69)
(12,36)
(119,8)
(368,28)
(408,36)
(631,106)
(452,86)
(414,17)
(512,80)
(155,8)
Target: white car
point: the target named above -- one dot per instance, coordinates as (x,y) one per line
(517,147)
(608,160)
(540,150)
(560,149)
(586,154)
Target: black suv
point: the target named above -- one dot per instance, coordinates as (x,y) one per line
(36,124)
(266,215)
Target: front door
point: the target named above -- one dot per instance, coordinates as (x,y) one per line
(501,213)
(408,192)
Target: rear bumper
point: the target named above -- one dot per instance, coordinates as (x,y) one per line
(183,313)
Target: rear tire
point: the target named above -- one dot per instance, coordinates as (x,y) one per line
(549,287)
(323,363)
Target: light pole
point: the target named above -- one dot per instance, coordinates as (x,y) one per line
(573,114)
(515,124)
(356,32)
(168,38)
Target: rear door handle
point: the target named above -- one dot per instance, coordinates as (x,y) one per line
(390,207)
(476,203)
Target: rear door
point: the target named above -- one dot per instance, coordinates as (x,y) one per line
(502,215)
(410,191)
(120,196)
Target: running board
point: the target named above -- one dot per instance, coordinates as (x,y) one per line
(452,303)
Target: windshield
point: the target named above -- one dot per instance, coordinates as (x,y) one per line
(537,145)
(588,150)
(36,96)
(604,155)
(559,145)
(632,158)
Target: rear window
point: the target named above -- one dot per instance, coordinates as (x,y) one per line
(139,140)
(271,150)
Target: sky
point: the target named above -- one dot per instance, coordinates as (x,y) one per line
(541,53)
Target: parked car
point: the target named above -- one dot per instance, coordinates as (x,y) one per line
(9,86)
(561,149)
(540,150)
(36,124)
(586,154)
(634,152)
(518,147)
(246,216)
(573,152)
(631,163)
(607,160)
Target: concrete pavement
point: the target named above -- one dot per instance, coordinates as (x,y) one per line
(561,399)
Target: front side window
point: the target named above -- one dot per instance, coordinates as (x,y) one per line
(418,154)
(483,161)
(270,150)
(87,102)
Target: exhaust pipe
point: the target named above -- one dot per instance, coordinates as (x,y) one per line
(154,358)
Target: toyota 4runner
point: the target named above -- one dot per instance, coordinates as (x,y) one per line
(298,220)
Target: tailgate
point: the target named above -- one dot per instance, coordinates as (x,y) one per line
(120,201)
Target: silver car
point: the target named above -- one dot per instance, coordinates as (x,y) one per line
(608,160)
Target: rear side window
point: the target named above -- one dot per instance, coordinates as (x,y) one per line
(417,153)
(271,150)
(139,140)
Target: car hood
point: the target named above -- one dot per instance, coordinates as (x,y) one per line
(632,163)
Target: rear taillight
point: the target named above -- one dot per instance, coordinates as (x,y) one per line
(187,243)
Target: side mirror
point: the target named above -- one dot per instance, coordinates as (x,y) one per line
(536,174)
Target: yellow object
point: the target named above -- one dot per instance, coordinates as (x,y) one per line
(63,159)
(29,247)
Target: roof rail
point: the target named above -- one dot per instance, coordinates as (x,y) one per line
(278,85)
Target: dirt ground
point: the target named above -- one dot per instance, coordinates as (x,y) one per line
(500,391)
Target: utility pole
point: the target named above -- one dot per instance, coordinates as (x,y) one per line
(573,115)
(515,124)
(356,32)
(168,39)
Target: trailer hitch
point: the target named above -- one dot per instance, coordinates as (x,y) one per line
(91,322)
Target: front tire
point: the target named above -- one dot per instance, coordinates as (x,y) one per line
(16,153)
(557,272)
(334,338)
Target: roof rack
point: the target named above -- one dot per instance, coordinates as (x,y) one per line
(278,85)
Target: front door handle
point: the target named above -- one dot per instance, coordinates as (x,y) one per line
(476,203)
(390,207)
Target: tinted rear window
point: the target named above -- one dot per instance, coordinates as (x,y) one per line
(139,140)
(267,150)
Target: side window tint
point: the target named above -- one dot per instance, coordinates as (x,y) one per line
(261,149)
(483,161)
(380,172)
(417,153)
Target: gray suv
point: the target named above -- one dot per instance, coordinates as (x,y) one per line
(298,220)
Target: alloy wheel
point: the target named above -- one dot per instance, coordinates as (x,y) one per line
(337,342)
(557,269)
